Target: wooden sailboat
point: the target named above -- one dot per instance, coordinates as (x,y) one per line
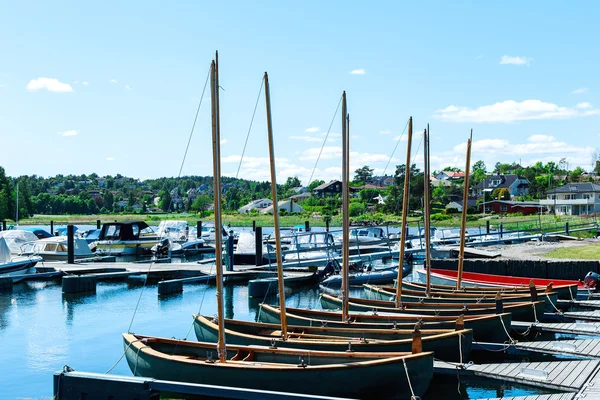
(486,328)
(369,375)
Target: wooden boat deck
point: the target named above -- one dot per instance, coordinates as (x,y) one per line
(568,376)
(574,328)
(584,348)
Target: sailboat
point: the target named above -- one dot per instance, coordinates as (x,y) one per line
(351,374)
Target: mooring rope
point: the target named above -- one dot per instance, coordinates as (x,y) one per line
(199,308)
(511,340)
(412,392)
(535,314)
(559,312)
(137,357)
(120,358)
(140,298)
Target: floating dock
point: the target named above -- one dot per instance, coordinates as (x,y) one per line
(567,376)
(572,328)
(581,348)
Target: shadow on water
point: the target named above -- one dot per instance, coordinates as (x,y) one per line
(71,301)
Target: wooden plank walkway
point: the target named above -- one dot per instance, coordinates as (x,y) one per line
(568,376)
(582,303)
(574,328)
(555,396)
(591,389)
(583,315)
(586,348)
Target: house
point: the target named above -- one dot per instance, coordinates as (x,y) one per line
(458,204)
(510,207)
(384,180)
(450,176)
(573,199)
(328,189)
(441,182)
(300,197)
(258,205)
(516,185)
(300,189)
(284,205)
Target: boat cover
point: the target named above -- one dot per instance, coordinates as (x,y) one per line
(4,251)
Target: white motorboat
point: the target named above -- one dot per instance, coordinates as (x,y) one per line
(56,248)
(14,266)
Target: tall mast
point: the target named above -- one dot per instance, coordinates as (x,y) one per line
(345,207)
(404,215)
(463,225)
(427,210)
(275,211)
(17,215)
(216,144)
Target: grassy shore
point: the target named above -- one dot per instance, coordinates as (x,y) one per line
(549,223)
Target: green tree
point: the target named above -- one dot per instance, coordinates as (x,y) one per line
(363,174)
(109,200)
(165,200)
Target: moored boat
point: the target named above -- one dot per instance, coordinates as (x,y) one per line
(14,266)
(347,374)
(566,289)
(125,238)
(486,328)
(443,342)
(526,311)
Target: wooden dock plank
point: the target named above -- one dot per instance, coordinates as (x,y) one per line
(555,396)
(562,375)
(585,348)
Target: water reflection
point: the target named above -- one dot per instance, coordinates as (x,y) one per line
(73,300)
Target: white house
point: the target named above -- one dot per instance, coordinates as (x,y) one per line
(258,205)
(573,199)
(287,205)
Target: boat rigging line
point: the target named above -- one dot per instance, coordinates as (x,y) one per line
(324,141)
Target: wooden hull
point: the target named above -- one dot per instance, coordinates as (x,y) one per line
(486,328)
(444,344)
(389,294)
(384,276)
(565,289)
(530,311)
(326,373)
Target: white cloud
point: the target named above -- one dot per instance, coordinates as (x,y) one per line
(312,129)
(128,87)
(306,138)
(50,84)
(583,105)
(580,90)
(85,83)
(68,133)
(113,81)
(110,159)
(515,60)
(535,145)
(385,132)
(479,57)
(403,138)
(224,141)
(511,111)
(360,71)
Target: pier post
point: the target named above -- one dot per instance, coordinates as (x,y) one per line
(499,305)
(253,226)
(3,225)
(533,291)
(306,226)
(417,345)
(52,228)
(566,228)
(97,224)
(501,229)
(198,229)
(258,244)
(70,244)
(487,227)
(326,225)
(230,251)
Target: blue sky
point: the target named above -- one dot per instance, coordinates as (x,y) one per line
(113,87)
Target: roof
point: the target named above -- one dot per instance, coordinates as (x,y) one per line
(506,181)
(326,185)
(585,187)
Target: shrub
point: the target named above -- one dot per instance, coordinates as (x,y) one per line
(440,217)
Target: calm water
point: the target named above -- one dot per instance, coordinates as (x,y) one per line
(41,330)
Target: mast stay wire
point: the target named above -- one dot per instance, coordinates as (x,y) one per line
(324,141)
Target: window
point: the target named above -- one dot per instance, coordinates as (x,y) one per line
(503,207)
(587,196)
(570,196)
